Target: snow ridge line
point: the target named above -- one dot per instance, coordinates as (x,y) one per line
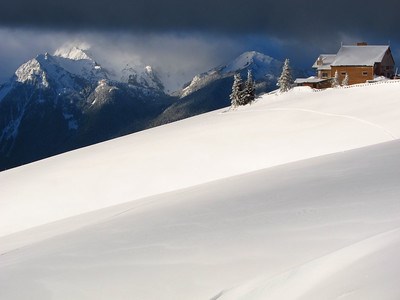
(386,131)
(361,85)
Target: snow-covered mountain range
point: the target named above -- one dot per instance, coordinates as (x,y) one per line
(55,103)
(59,102)
(293,197)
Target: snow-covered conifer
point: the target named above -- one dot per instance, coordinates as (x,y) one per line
(345,81)
(249,89)
(285,81)
(335,80)
(236,94)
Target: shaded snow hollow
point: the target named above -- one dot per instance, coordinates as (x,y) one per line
(219,221)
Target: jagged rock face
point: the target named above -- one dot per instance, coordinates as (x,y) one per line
(55,103)
(142,76)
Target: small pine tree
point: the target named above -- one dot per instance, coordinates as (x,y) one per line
(345,81)
(285,81)
(249,89)
(236,94)
(335,80)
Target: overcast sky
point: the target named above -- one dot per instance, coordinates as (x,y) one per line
(186,37)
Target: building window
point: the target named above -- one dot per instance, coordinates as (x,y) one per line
(324,75)
(343,73)
(364,73)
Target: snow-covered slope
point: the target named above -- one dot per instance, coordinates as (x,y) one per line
(277,129)
(368,269)
(208,229)
(318,229)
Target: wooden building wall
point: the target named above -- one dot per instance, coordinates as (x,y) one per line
(322,72)
(356,74)
(318,85)
(386,67)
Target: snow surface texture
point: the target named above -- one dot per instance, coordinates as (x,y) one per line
(325,228)
(321,228)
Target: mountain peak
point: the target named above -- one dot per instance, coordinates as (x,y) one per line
(141,75)
(31,72)
(246,59)
(74,53)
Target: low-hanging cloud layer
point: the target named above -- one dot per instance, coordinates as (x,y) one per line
(187,37)
(179,56)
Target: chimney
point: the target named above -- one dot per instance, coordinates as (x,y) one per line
(362,44)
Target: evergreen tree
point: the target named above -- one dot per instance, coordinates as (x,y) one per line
(345,81)
(285,81)
(237,88)
(335,80)
(249,89)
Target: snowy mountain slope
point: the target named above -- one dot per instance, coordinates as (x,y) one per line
(210,90)
(276,130)
(263,67)
(142,76)
(320,228)
(81,63)
(45,71)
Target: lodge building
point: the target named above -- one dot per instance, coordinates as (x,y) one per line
(361,63)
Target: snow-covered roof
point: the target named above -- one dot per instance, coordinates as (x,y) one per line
(359,55)
(311,79)
(325,61)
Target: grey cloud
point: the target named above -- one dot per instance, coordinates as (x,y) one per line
(284,17)
(176,54)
